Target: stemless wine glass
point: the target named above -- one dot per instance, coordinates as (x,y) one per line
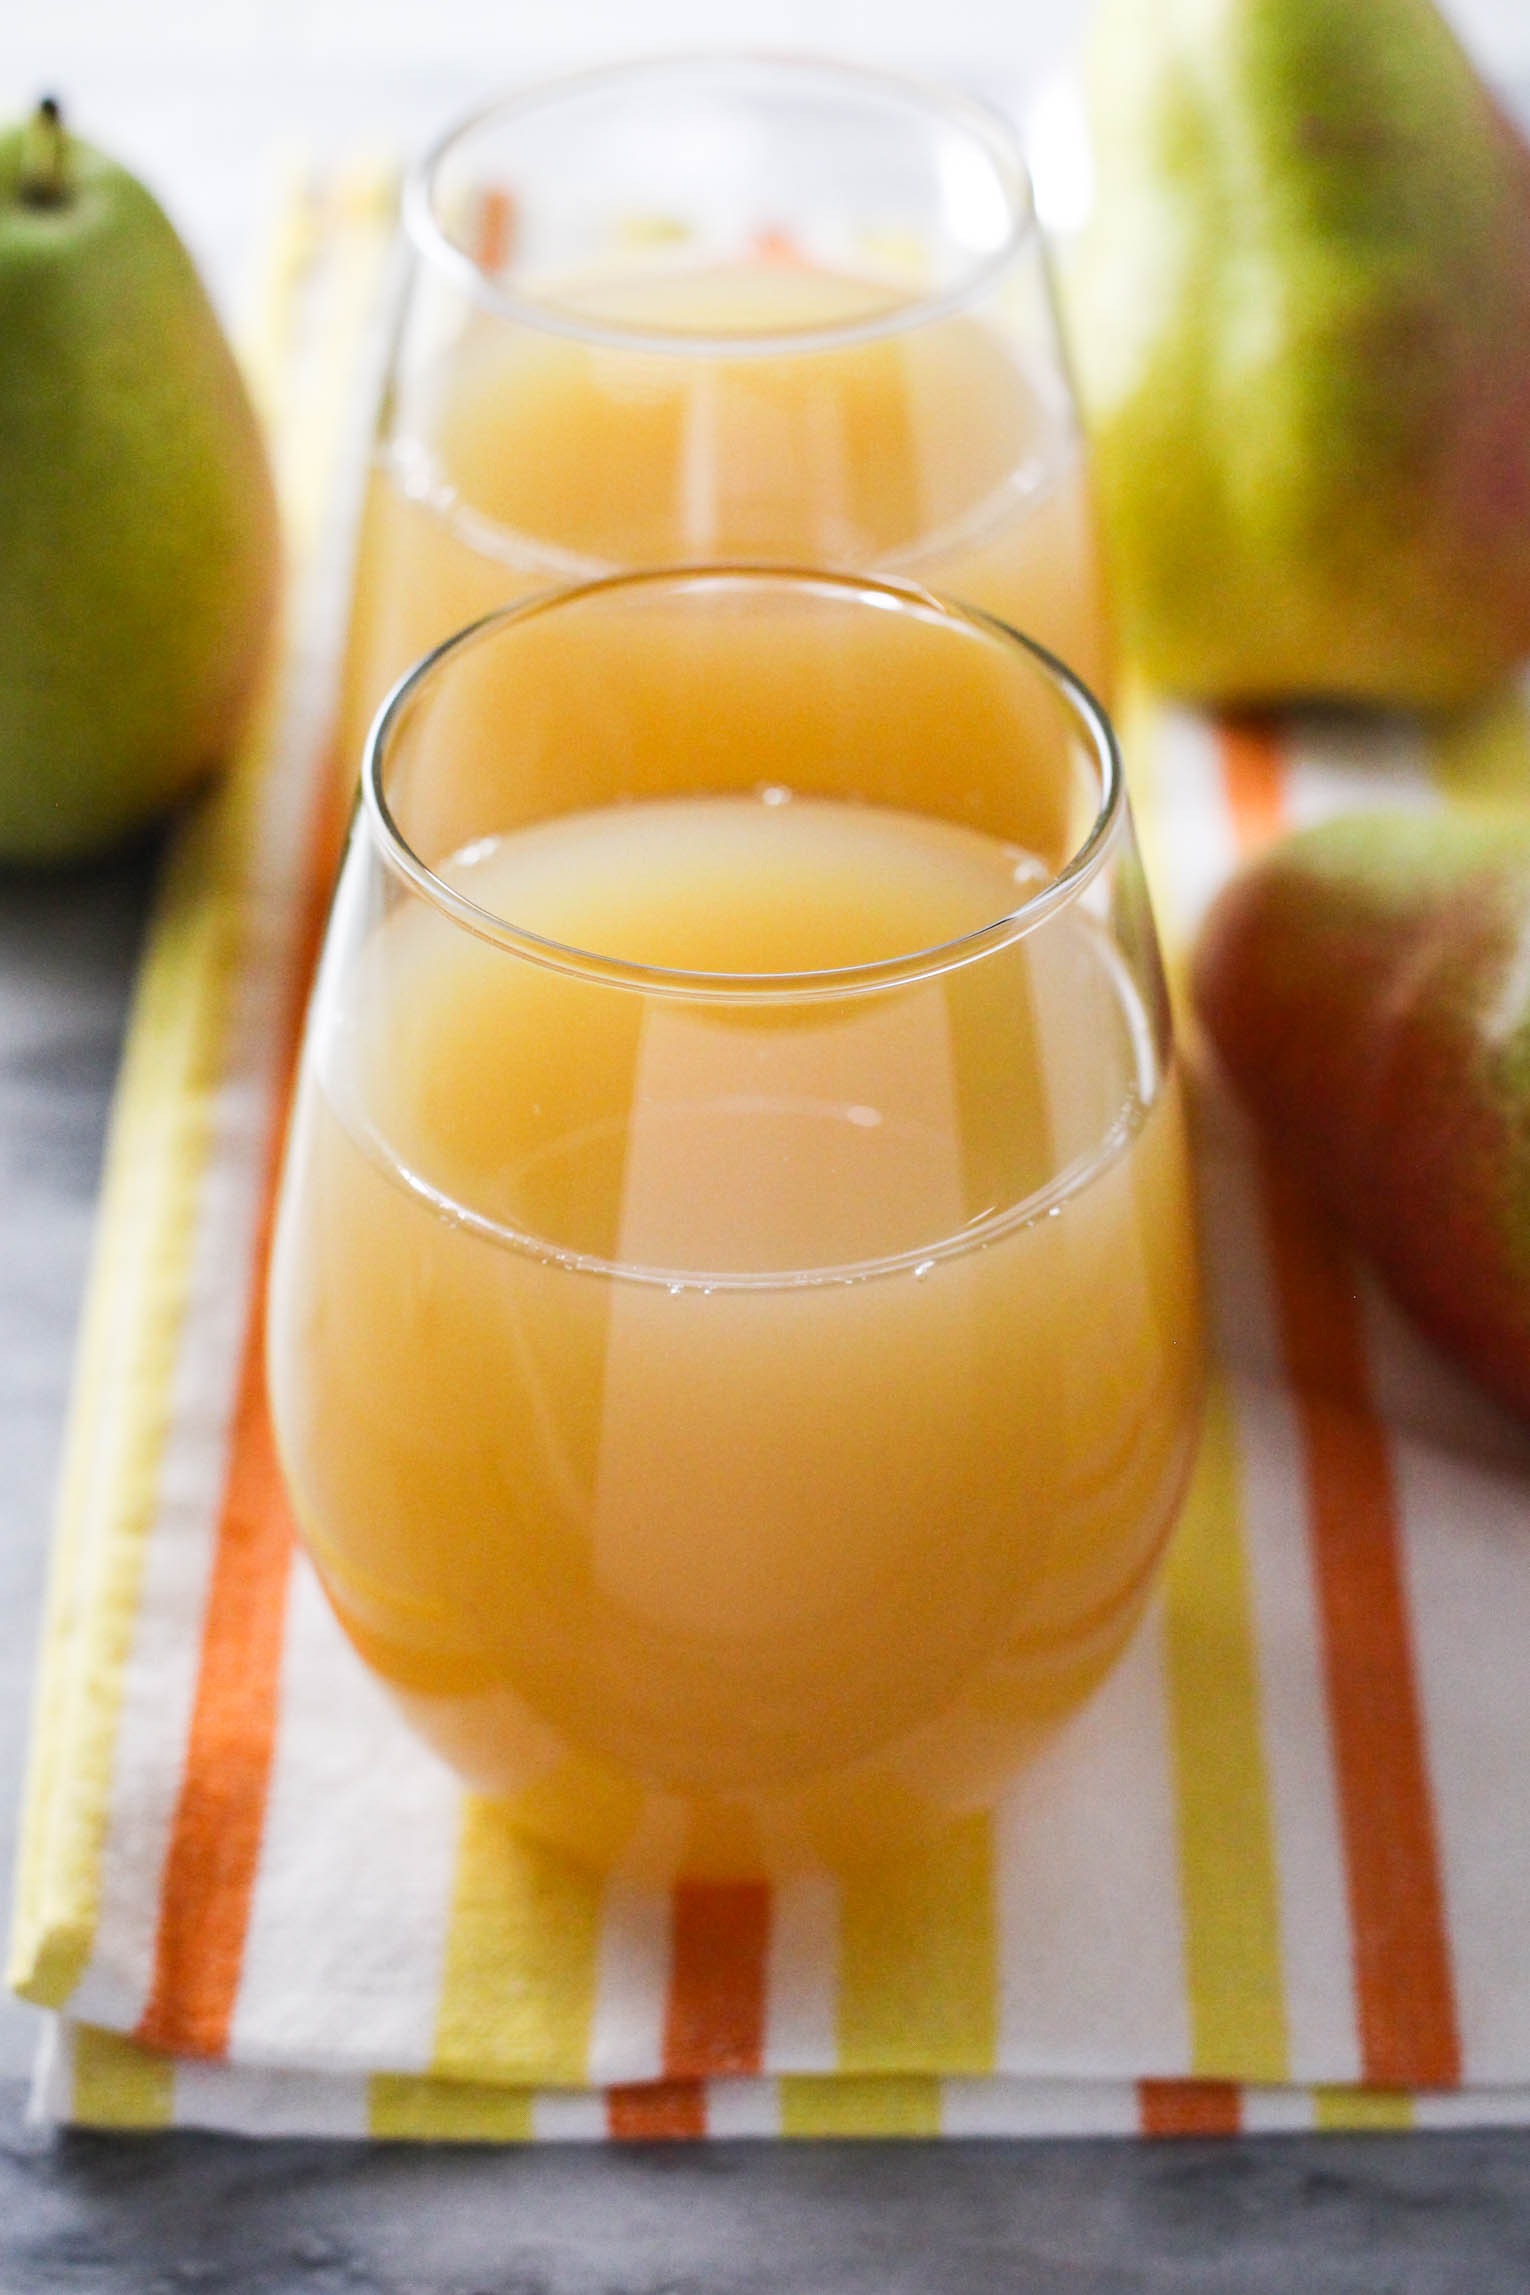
(733,1327)
(723,308)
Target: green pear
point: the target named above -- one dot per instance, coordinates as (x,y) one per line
(139,560)
(1367,986)
(1302,319)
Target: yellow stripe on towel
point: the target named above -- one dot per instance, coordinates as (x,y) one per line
(447,2111)
(829,2105)
(116,2084)
(1233,1969)
(919,1959)
(1361,2111)
(522,1954)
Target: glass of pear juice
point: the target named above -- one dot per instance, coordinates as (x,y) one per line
(734,1340)
(723,308)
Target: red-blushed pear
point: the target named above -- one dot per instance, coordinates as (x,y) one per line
(1302,317)
(1367,986)
(138,544)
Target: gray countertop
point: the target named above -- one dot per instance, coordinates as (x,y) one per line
(201,2215)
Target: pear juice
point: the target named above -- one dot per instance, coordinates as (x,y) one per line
(736,1433)
(526,458)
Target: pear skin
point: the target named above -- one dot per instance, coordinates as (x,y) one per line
(1302,320)
(140,560)
(1367,986)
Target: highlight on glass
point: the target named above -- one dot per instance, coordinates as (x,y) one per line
(734,1337)
(723,308)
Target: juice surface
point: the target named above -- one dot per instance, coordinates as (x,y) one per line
(737,1430)
(527,458)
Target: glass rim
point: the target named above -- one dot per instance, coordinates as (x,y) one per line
(983,123)
(1061,890)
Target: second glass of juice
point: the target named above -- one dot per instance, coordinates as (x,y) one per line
(718,309)
(733,1331)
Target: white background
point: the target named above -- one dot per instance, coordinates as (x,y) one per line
(198,94)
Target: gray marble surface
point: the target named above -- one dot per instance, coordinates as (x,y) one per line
(204,2216)
(182,2214)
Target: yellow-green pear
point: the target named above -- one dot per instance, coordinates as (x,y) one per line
(138,538)
(1302,315)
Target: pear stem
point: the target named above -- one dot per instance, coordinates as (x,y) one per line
(44,176)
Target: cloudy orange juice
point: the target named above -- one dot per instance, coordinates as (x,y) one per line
(733,1327)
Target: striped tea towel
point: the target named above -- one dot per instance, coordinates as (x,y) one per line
(1276,1875)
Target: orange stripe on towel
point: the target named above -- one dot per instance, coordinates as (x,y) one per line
(214,1854)
(714,2024)
(1253,776)
(715,2018)
(1189,2108)
(657,2111)
(1405,1997)
(1405,1994)
(215,1843)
